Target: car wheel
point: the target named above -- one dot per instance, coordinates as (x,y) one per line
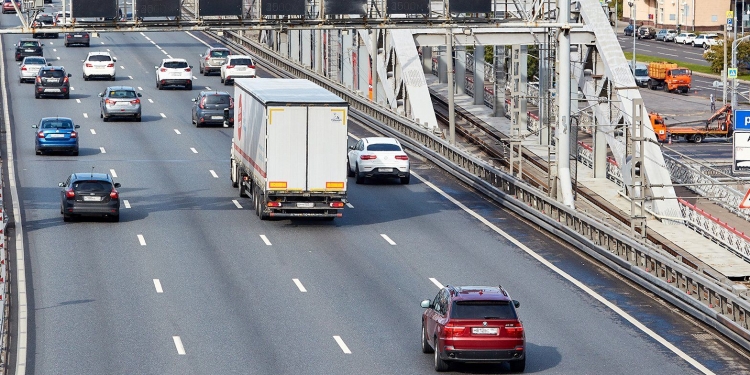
(241,186)
(85,77)
(37,96)
(405,180)
(698,138)
(349,172)
(105,118)
(74,152)
(67,218)
(359,177)
(200,69)
(138,118)
(518,366)
(440,365)
(222,78)
(189,87)
(67,45)
(112,78)
(20,80)
(426,348)
(88,44)
(114,218)
(226,82)
(159,86)
(38,151)
(206,72)
(66,96)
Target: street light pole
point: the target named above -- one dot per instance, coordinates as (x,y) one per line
(635,30)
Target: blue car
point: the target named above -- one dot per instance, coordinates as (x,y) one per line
(629,30)
(56,134)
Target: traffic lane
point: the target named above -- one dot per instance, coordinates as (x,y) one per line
(669,50)
(712,150)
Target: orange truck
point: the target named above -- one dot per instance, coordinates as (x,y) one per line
(719,125)
(669,76)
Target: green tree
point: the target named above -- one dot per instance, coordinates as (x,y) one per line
(715,55)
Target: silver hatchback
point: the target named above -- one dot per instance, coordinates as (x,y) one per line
(120,101)
(29,68)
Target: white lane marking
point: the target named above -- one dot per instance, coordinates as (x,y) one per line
(388,239)
(169,56)
(122,67)
(78,101)
(131,77)
(163,115)
(194,77)
(208,88)
(196,38)
(177,131)
(157,285)
(157,46)
(142,34)
(54,49)
(92,131)
(101,42)
(300,286)
(152,42)
(265,239)
(85,115)
(571,279)
(141,240)
(140,88)
(349,205)
(150,101)
(236,203)
(126,203)
(108,50)
(164,52)
(434,281)
(178,345)
(342,345)
(102,150)
(113,173)
(51,43)
(193,150)
(58,57)
(213,173)
(72,88)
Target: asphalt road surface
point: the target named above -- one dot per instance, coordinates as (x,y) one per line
(191,282)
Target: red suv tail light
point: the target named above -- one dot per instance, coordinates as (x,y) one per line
(368,157)
(66,80)
(402,157)
(114,194)
(514,331)
(452,330)
(70,194)
(251,66)
(163,70)
(89,65)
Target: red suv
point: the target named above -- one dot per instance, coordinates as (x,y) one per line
(473,324)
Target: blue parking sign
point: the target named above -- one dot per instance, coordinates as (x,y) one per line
(742,119)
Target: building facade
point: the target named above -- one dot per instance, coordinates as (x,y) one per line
(688,15)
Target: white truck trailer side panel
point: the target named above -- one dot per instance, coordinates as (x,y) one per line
(287,148)
(249,134)
(326,137)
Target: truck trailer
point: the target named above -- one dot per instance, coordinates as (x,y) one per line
(289,148)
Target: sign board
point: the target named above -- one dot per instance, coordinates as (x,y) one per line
(730,14)
(732,73)
(157,8)
(218,7)
(741,151)
(93,8)
(282,8)
(470,6)
(729,22)
(407,6)
(742,119)
(746,201)
(335,7)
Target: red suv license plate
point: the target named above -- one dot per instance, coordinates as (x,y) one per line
(484,331)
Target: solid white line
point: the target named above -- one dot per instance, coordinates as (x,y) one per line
(113,173)
(571,279)
(150,101)
(434,281)
(388,239)
(92,131)
(343,346)
(126,203)
(236,203)
(193,150)
(349,205)
(102,150)
(157,285)
(141,240)
(140,88)
(196,38)
(265,239)
(178,344)
(177,131)
(163,115)
(300,286)
(213,173)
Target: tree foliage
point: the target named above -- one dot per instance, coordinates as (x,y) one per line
(715,56)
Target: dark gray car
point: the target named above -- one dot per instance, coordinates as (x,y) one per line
(208,108)
(81,38)
(89,194)
(120,101)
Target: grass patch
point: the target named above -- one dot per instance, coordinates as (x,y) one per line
(693,67)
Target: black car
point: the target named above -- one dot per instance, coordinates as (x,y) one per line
(81,38)
(28,47)
(90,194)
(52,81)
(629,30)
(43,21)
(208,108)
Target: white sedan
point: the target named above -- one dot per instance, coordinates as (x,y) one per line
(378,157)
(684,38)
(99,65)
(29,67)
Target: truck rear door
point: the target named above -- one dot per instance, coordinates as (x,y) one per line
(327,140)
(286,146)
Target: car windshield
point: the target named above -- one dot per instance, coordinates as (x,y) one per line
(641,72)
(99,58)
(680,72)
(57,124)
(45,19)
(176,64)
(122,94)
(34,61)
(51,73)
(219,53)
(29,43)
(92,186)
(383,147)
(217,99)
(241,62)
(483,310)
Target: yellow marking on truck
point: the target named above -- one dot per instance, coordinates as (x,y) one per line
(343,114)
(277,184)
(334,185)
(270,114)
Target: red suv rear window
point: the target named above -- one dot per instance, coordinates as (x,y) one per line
(483,310)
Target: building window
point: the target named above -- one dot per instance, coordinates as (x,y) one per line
(714,18)
(672,17)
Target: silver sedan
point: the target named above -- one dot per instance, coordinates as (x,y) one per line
(29,67)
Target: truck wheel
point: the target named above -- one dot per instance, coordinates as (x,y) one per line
(698,138)
(243,193)
(233,173)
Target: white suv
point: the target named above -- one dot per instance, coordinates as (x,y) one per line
(174,72)
(237,66)
(99,65)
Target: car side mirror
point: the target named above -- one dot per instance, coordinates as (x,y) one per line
(114,59)
(194,99)
(351,147)
(61,184)
(77,126)
(156,67)
(35,126)
(69,75)
(139,94)
(190,66)
(41,45)
(516,304)
(117,185)
(426,304)
(101,94)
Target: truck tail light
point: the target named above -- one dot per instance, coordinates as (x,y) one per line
(70,194)
(40,134)
(114,194)
(452,330)
(402,157)
(367,157)
(273,204)
(73,134)
(337,204)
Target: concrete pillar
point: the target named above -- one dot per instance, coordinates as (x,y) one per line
(479,75)
(318,43)
(427,59)
(518,109)
(284,44)
(306,41)
(442,65)
(348,57)
(499,86)
(460,69)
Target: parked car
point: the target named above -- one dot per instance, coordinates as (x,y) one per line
(56,134)
(82,38)
(237,66)
(120,101)
(671,34)
(684,38)
(212,59)
(665,35)
(629,30)
(41,22)
(473,324)
(28,47)
(89,194)
(52,80)
(174,72)
(9,8)
(641,74)
(646,32)
(705,40)
(29,68)
(208,108)
(378,157)
(99,65)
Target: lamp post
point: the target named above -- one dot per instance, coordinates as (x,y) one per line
(635,30)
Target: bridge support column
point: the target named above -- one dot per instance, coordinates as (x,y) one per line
(318,43)
(518,114)
(498,106)
(427,59)
(460,69)
(284,44)
(563,130)
(348,59)
(305,39)
(479,75)
(442,64)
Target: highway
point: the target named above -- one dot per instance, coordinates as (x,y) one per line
(191,282)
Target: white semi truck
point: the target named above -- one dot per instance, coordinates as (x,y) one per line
(289,148)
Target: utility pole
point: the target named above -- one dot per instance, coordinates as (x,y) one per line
(635,30)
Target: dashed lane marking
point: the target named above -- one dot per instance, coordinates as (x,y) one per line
(163,115)
(102,150)
(236,203)
(265,239)
(434,281)
(126,203)
(299,285)
(193,150)
(342,345)
(178,345)
(388,239)
(113,173)
(141,240)
(157,285)
(177,131)
(92,131)
(213,173)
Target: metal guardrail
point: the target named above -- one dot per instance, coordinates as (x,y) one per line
(720,304)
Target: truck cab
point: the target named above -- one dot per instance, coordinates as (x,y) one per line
(679,79)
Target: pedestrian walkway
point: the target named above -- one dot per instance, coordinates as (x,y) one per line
(713,255)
